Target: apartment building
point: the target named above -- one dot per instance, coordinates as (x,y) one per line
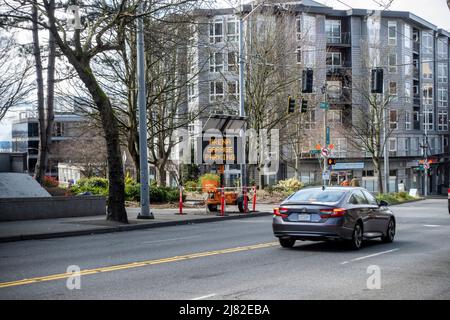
(341,46)
(25,138)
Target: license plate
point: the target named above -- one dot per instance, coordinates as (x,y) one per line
(304,217)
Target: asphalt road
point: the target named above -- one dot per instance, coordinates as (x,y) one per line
(236,259)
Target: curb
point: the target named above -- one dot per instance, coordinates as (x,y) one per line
(64,234)
(415,200)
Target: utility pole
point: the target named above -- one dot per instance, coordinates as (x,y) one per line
(325,145)
(425,155)
(145,197)
(385,151)
(242,88)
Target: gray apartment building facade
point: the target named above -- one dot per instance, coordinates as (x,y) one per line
(341,47)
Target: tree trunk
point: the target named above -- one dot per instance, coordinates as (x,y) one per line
(116,195)
(162,175)
(377,166)
(41,162)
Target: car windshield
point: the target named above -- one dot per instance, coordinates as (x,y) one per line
(317,195)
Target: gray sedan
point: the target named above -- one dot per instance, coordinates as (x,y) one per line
(333,213)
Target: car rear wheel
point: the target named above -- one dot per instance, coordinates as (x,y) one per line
(212,207)
(390,232)
(287,242)
(357,237)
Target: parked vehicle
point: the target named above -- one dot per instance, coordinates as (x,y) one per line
(351,214)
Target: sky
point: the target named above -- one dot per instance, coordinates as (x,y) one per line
(434,11)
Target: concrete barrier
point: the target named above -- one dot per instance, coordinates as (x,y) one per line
(12,209)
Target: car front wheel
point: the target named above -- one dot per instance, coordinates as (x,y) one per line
(287,243)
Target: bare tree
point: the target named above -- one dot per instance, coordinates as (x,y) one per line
(14,76)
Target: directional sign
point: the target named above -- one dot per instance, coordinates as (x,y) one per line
(324,105)
(327,138)
(325,152)
(426,166)
(314,151)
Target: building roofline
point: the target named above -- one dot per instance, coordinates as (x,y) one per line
(329,11)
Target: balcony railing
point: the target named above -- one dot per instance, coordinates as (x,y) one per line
(342,70)
(343,38)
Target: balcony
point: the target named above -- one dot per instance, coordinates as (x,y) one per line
(342,39)
(416,100)
(339,70)
(416,46)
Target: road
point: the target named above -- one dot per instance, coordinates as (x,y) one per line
(236,259)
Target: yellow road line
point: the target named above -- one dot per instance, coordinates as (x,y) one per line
(135,264)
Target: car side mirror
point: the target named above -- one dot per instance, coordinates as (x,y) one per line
(383,203)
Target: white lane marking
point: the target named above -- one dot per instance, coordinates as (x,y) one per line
(432,225)
(370,256)
(205,297)
(172,239)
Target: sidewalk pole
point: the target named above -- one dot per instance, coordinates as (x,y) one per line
(254,198)
(181,199)
(222,202)
(244,192)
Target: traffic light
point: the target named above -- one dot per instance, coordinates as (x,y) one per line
(377,80)
(307,81)
(291,104)
(331,161)
(304,106)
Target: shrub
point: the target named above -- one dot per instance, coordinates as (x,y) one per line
(395,197)
(191,186)
(132,191)
(289,186)
(49,182)
(97,186)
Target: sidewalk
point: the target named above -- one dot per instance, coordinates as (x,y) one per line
(66,227)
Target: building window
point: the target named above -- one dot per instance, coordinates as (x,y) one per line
(442,97)
(33,129)
(58,129)
(427,40)
(407,36)
(393,120)
(191,92)
(428,123)
(333,31)
(334,59)
(407,91)
(215,91)
(407,65)
(298,53)
(392,61)
(233,90)
(442,120)
(340,148)
(334,116)
(216,62)
(427,70)
(216,31)
(232,61)
(407,120)
(392,32)
(232,30)
(392,144)
(393,88)
(298,26)
(441,47)
(309,119)
(427,94)
(442,72)
(407,142)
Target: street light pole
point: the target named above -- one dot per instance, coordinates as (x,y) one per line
(241,99)
(143,161)
(386,152)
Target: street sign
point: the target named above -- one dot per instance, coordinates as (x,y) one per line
(426,166)
(327,138)
(324,105)
(348,165)
(314,151)
(325,152)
